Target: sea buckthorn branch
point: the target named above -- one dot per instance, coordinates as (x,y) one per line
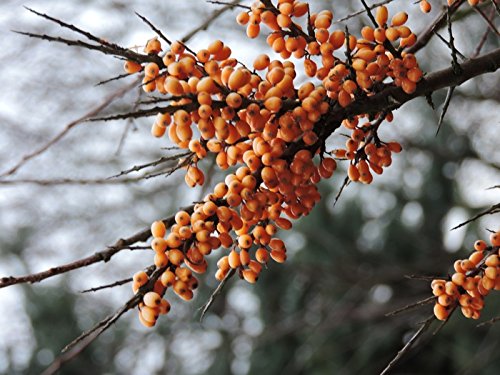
(473,280)
(101,256)
(90,335)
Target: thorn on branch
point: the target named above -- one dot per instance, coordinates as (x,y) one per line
(449,95)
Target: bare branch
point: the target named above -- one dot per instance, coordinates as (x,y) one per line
(101,256)
(161,160)
(410,306)
(148,271)
(154,28)
(357,13)
(491,25)
(104,324)
(489,322)
(495,209)
(215,293)
(408,345)
(112,285)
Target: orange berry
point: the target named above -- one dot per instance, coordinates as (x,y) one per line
(234,259)
(480,245)
(243,18)
(440,312)
(152,299)
(495,239)
(399,19)
(425,6)
(250,276)
(381,15)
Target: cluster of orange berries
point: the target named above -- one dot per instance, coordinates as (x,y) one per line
(425,6)
(474,279)
(365,151)
(374,58)
(257,121)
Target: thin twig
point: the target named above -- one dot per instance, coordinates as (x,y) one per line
(441,38)
(426,35)
(481,43)
(412,306)
(489,322)
(491,25)
(148,271)
(361,11)
(209,20)
(497,7)
(154,163)
(215,293)
(495,209)
(93,112)
(112,285)
(408,345)
(116,78)
(234,4)
(154,28)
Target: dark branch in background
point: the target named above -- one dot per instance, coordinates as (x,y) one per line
(489,322)
(481,43)
(93,112)
(495,209)
(215,293)
(491,25)
(408,345)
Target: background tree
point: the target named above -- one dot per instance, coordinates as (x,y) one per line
(342,260)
